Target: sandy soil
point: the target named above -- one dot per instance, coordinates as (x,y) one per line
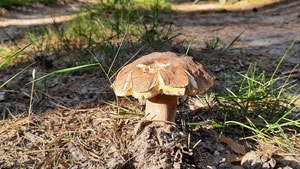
(14,20)
(269,28)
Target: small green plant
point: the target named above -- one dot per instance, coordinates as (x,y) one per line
(259,104)
(66,140)
(212,44)
(6,50)
(156,37)
(100,28)
(96,34)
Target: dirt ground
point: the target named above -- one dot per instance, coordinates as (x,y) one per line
(269,29)
(13,21)
(76,131)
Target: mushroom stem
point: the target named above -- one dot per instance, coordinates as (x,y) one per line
(161,107)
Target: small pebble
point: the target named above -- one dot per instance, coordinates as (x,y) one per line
(216,153)
(2,96)
(256,160)
(224,165)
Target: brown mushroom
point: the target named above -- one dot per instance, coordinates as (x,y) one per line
(160,78)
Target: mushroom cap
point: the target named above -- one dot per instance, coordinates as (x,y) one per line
(163,73)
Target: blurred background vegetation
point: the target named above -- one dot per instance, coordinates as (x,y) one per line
(10,3)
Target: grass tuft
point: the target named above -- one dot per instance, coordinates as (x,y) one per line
(261,106)
(100,29)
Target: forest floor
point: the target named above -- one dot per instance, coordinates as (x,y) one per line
(75,123)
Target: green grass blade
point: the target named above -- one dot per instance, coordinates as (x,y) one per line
(188,49)
(248,127)
(244,79)
(204,123)
(102,68)
(116,106)
(286,139)
(15,54)
(282,117)
(251,79)
(291,123)
(129,113)
(64,71)
(116,55)
(107,76)
(287,113)
(287,51)
(234,40)
(294,99)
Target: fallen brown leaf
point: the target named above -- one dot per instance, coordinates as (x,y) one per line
(236,147)
(232,158)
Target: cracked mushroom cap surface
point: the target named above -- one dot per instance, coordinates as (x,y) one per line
(163,73)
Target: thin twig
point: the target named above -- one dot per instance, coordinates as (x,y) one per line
(199,141)
(16,75)
(31,96)
(286,81)
(117,54)
(11,114)
(39,151)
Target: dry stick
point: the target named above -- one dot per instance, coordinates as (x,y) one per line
(58,105)
(292,71)
(197,144)
(16,75)
(116,151)
(14,125)
(189,140)
(39,151)
(287,79)
(183,102)
(66,108)
(31,96)
(11,114)
(53,98)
